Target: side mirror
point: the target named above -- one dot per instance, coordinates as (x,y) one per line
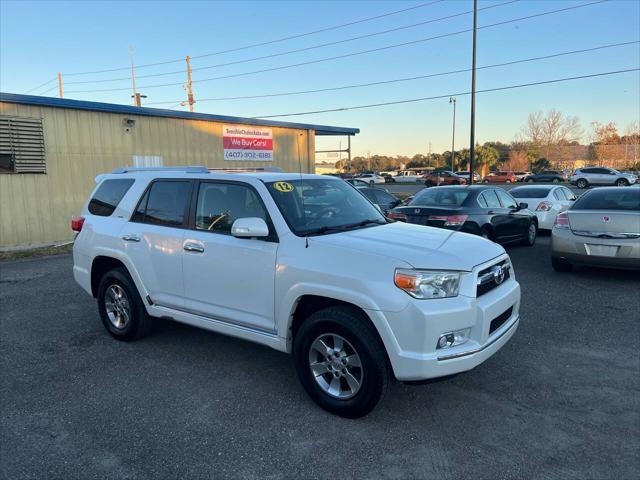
(250,227)
(523,206)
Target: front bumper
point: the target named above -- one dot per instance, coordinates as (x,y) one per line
(410,336)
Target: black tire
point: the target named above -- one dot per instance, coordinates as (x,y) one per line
(582,183)
(372,183)
(428,183)
(529,180)
(530,236)
(485,181)
(507,181)
(561,264)
(360,333)
(622,182)
(139,323)
(556,180)
(486,233)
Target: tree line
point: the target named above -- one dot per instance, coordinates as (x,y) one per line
(547,140)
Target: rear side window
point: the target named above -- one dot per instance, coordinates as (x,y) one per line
(165,203)
(108,196)
(490,199)
(506,199)
(605,199)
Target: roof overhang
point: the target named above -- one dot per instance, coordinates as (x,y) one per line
(161,112)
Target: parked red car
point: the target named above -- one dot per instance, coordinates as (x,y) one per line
(443,178)
(500,177)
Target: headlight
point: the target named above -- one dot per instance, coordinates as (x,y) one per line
(428,283)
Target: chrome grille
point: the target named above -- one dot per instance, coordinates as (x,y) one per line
(492,277)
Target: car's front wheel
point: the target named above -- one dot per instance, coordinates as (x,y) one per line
(622,182)
(340,361)
(556,180)
(561,264)
(529,180)
(531,234)
(121,309)
(372,182)
(582,183)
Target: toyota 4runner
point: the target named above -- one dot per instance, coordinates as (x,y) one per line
(302,263)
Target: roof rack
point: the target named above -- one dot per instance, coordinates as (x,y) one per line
(161,169)
(247,169)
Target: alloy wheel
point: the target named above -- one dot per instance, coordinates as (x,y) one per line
(117,305)
(336,366)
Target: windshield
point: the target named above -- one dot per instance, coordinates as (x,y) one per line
(317,206)
(606,199)
(445,197)
(530,192)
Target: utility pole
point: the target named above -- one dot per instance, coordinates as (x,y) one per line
(472,147)
(429,155)
(453,139)
(190,99)
(369,161)
(136,98)
(60,85)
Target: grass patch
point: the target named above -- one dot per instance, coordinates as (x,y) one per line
(35,252)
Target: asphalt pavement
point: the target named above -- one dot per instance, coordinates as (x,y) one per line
(560,401)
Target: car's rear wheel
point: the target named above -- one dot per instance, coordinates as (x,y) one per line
(622,182)
(372,182)
(561,264)
(582,183)
(529,180)
(485,233)
(530,237)
(428,183)
(340,361)
(485,181)
(507,181)
(121,309)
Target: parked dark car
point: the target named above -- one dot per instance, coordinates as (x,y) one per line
(478,209)
(444,177)
(380,197)
(550,176)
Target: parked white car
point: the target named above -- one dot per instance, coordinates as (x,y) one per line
(407,176)
(304,264)
(371,178)
(545,201)
(590,176)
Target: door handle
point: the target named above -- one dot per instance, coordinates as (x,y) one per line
(131,238)
(193,247)
(491,212)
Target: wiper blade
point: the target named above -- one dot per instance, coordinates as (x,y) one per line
(344,228)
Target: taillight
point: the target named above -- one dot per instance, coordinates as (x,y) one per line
(76,223)
(544,207)
(450,220)
(562,221)
(397,216)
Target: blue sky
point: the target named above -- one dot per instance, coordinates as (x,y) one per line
(38,39)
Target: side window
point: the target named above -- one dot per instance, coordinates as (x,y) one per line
(506,199)
(568,194)
(491,199)
(383,198)
(559,194)
(108,196)
(587,170)
(481,201)
(221,204)
(165,203)
(369,194)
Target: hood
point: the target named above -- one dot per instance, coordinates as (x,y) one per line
(419,246)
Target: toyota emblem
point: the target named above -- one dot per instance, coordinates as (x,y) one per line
(498,274)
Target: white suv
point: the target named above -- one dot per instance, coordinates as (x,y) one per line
(302,263)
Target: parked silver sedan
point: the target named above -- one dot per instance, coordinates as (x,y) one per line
(602,228)
(587,177)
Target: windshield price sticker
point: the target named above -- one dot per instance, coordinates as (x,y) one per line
(283,187)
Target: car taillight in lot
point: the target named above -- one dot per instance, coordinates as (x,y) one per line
(76,223)
(544,207)
(450,220)
(397,216)
(562,221)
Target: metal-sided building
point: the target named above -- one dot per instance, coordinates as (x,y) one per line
(51,150)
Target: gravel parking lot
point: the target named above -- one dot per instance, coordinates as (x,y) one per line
(561,400)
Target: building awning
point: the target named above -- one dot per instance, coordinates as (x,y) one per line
(161,112)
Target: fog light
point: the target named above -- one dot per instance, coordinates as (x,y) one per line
(453,339)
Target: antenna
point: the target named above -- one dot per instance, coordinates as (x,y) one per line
(304,212)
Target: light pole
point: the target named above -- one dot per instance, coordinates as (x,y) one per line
(472,146)
(453,139)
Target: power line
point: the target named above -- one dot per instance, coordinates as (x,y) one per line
(352,54)
(422,99)
(406,79)
(55,87)
(40,86)
(268,42)
(298,50)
